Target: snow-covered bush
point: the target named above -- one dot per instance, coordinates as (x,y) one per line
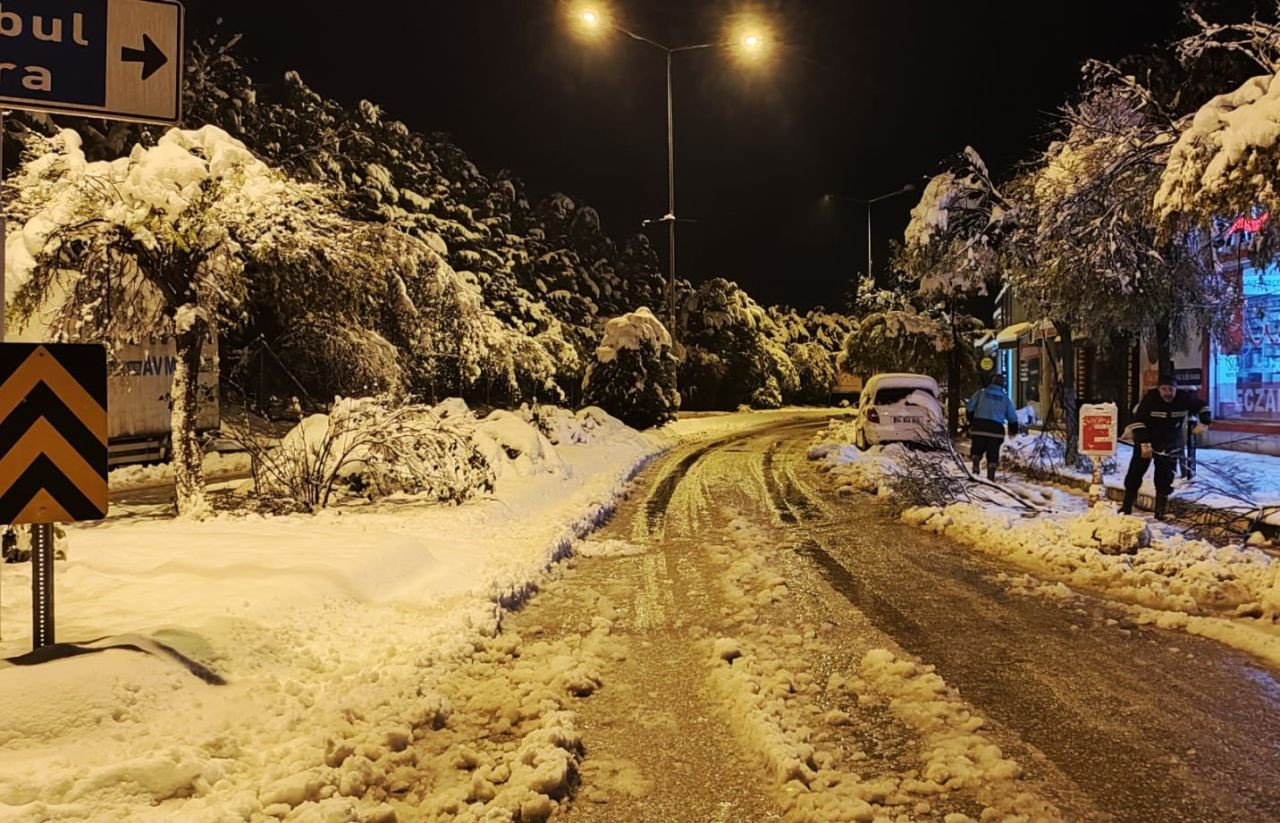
(372,447)
(512,445)
(634,373)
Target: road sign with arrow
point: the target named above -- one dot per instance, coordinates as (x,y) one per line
(117,59)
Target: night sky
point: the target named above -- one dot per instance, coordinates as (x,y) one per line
(862,97)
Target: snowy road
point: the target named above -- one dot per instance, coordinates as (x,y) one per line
(764,652)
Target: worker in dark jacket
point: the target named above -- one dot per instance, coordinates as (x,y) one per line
(1159,430)
(990,411)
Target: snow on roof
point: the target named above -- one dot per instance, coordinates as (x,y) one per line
(904,380)
(1010,334)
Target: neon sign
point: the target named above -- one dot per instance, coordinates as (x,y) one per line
(1252,225)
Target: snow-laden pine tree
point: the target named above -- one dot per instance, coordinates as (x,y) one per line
(164,243)
(633,376)
(732,354)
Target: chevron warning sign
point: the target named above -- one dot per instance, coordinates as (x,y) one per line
(53,432)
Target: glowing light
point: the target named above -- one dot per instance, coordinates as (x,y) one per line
(752,41)
(590,18)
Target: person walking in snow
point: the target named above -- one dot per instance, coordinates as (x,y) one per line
(990,410)
(1159,432)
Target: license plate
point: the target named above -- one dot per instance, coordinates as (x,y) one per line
(915,420)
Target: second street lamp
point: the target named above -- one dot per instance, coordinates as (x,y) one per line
(868,202)
(752,43)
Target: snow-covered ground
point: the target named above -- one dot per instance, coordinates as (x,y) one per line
(1229,593)
(333,632)
(1224,479)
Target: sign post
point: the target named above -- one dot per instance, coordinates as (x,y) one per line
(53,451)
(1098,425)
(119,60)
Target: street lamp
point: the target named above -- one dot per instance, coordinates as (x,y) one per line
(753,43)
(868,202)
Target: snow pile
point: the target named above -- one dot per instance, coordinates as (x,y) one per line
(1181,583)
(562,426)
(635,331)
(158,474)
(1108,532)
(511,445)
(1172,575)
(850,468)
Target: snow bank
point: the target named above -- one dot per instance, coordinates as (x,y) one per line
(360,647)
(159,474)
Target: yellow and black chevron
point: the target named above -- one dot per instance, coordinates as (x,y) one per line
(53,432)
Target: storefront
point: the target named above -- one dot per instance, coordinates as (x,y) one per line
(1245,362)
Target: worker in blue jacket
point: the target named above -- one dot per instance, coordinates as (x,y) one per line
(990,412)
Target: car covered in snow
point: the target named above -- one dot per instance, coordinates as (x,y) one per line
(898,408)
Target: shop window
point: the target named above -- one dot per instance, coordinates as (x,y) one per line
(1246,360)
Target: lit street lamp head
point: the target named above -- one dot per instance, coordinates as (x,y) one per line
(590,18)
(752,41)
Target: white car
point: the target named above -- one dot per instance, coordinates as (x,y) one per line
(898,408)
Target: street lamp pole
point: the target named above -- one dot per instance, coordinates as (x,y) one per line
(671,204)
(868,203)
(752,42)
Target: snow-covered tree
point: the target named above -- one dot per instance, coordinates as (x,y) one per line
(815,373)
(1225,162)
(732,356)
(162,243)
(634,373)
(949,252)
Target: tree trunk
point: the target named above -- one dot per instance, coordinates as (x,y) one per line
(1164,347)
(188,458)
(953,378)
(1070,413)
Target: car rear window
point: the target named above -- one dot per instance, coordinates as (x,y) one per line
(889,396)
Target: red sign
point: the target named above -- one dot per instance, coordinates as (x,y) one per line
(1096,433)
(1249,224)
(1098,429)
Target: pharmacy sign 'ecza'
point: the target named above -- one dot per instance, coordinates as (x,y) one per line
(120,59)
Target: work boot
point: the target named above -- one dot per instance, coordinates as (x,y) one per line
(977,466)
(991,473)
(1130,497)
(1162,506)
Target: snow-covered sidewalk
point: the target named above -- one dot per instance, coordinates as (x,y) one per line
(1242,482)
(331,630)
(1229,593)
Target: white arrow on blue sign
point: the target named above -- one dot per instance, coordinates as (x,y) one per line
(117,59)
